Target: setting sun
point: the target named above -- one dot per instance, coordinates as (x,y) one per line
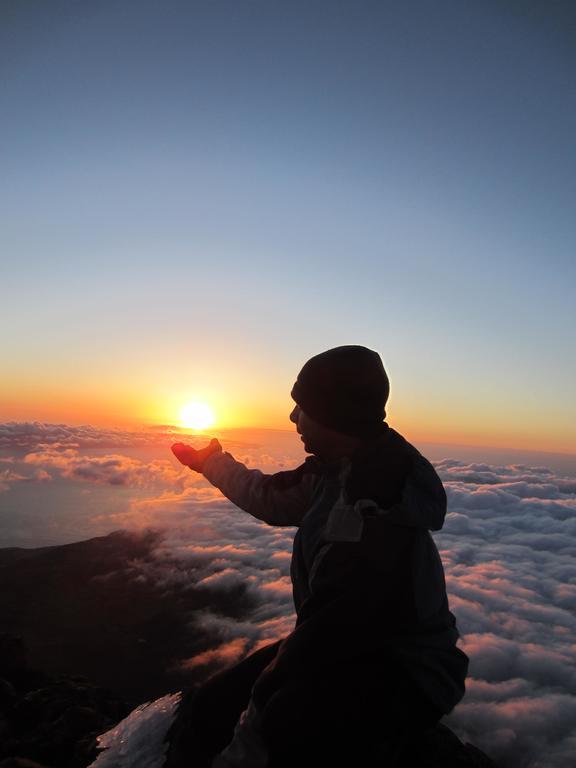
(197,416)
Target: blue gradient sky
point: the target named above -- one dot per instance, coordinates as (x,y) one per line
(198,196)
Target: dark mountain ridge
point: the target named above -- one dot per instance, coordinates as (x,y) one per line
(84,639)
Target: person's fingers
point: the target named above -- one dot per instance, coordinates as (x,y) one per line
(184,453)
(214,443)
(214,446)
(192,457)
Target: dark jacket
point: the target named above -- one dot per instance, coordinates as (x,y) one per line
(368,582)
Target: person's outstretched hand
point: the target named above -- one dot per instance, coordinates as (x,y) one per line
(192,458)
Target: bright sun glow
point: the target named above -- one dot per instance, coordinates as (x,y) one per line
(197,416)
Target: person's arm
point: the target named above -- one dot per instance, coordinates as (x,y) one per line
(279,499)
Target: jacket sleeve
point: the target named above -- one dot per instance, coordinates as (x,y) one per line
(424,497)
(280,499)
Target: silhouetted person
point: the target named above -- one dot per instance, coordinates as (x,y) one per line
(373,653)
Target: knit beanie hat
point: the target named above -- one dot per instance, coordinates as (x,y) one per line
(344,388)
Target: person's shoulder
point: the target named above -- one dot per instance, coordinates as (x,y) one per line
(425,486)
(389,466)
(379,470)
(395,451)
(400,444)
(396,440)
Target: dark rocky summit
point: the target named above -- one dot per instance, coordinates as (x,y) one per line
(49,719)
(441,748)
(101,640)
(52,721)
(101,608)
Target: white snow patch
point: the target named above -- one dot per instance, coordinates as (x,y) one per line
(138,740)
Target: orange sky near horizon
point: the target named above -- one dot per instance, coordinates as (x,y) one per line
(496,424)
(168,237)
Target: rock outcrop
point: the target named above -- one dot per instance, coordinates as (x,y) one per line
(52,720)
(82,607)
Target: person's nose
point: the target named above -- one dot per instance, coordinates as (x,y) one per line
(294,414)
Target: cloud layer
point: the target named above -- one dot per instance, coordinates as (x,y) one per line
(508,547)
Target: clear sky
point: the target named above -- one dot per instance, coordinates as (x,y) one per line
(196,197)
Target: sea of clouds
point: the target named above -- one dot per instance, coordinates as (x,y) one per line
(508,546)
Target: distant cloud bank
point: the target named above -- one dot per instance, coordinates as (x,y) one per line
(508,547)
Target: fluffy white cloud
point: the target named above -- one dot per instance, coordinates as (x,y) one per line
(35,435)
(211,544)
(8,477)
(111,469)
(15,434)
(132,458)
(508,547)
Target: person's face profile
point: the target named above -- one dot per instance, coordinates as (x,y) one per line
(314,436)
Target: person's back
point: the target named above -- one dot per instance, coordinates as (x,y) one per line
(374,644)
